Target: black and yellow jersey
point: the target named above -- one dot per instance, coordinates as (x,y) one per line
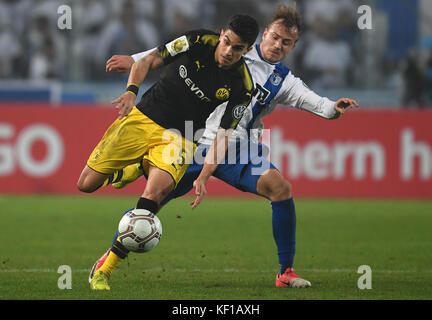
(192,85)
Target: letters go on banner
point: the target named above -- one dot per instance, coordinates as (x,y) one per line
(364,154)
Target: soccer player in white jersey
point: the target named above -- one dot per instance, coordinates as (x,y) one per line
(274,84)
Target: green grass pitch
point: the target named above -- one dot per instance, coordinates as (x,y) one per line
(222,250)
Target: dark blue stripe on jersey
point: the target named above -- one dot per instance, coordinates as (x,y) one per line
(272,85)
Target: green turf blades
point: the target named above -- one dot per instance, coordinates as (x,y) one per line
(222,250)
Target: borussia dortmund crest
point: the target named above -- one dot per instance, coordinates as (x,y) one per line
(222,94)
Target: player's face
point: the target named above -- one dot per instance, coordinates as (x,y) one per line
(230,49)
(278,41)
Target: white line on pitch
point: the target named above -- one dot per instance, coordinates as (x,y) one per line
(230,270)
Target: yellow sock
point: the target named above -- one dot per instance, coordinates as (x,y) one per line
(131,172)
(111,263)
(112,178)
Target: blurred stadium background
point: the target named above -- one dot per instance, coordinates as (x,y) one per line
(333,57)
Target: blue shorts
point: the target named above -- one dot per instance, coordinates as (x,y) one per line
(244,164)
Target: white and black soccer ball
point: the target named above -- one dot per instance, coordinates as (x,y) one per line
(139,230)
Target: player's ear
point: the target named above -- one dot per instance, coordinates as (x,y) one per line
(264,33)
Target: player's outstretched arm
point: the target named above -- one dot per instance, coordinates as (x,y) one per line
(296,93)
(119,63)
(214,156)
(123,63)
(137,75)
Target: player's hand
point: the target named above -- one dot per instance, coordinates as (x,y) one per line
(200,192)
(119,63)
(124,103)
(344,103)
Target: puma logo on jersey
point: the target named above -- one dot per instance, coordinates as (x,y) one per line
(199,66)
(192,86)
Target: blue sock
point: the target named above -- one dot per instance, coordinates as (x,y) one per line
(284,232)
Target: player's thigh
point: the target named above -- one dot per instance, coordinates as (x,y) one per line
(124,143)
(90,180)
(246,177)
(172,156)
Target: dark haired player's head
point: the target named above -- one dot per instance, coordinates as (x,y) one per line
(245,27)
(235,40)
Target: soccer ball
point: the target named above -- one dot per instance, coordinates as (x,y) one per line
(139,230)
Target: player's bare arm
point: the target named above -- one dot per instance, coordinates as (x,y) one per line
(214,156)
(138,73)
(119,63)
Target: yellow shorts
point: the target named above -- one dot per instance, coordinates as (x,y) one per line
(137,137)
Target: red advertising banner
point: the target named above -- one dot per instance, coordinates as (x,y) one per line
(366,153)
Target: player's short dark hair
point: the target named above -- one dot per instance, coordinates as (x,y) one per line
(245,27)
(289,17)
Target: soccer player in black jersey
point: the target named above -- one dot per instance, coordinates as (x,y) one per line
(203,69)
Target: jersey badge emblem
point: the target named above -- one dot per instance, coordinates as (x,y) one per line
(275,79)
(177,46)
(238,111)
(222,94)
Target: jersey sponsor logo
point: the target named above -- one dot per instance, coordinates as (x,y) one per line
(183,71)
(192,86)
(177,46)
(275,79)
(238,111)
(222,94)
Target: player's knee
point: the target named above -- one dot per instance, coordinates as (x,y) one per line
(274,187)
(280,190)
(84,186)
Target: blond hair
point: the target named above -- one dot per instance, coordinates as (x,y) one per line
(289,16)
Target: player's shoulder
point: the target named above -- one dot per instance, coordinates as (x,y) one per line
(254,57)
(243,73)
(282,69)
(188,41)
(202,37)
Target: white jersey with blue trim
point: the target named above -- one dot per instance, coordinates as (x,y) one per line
(274,84)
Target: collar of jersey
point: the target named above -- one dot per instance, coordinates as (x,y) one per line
(257,47)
